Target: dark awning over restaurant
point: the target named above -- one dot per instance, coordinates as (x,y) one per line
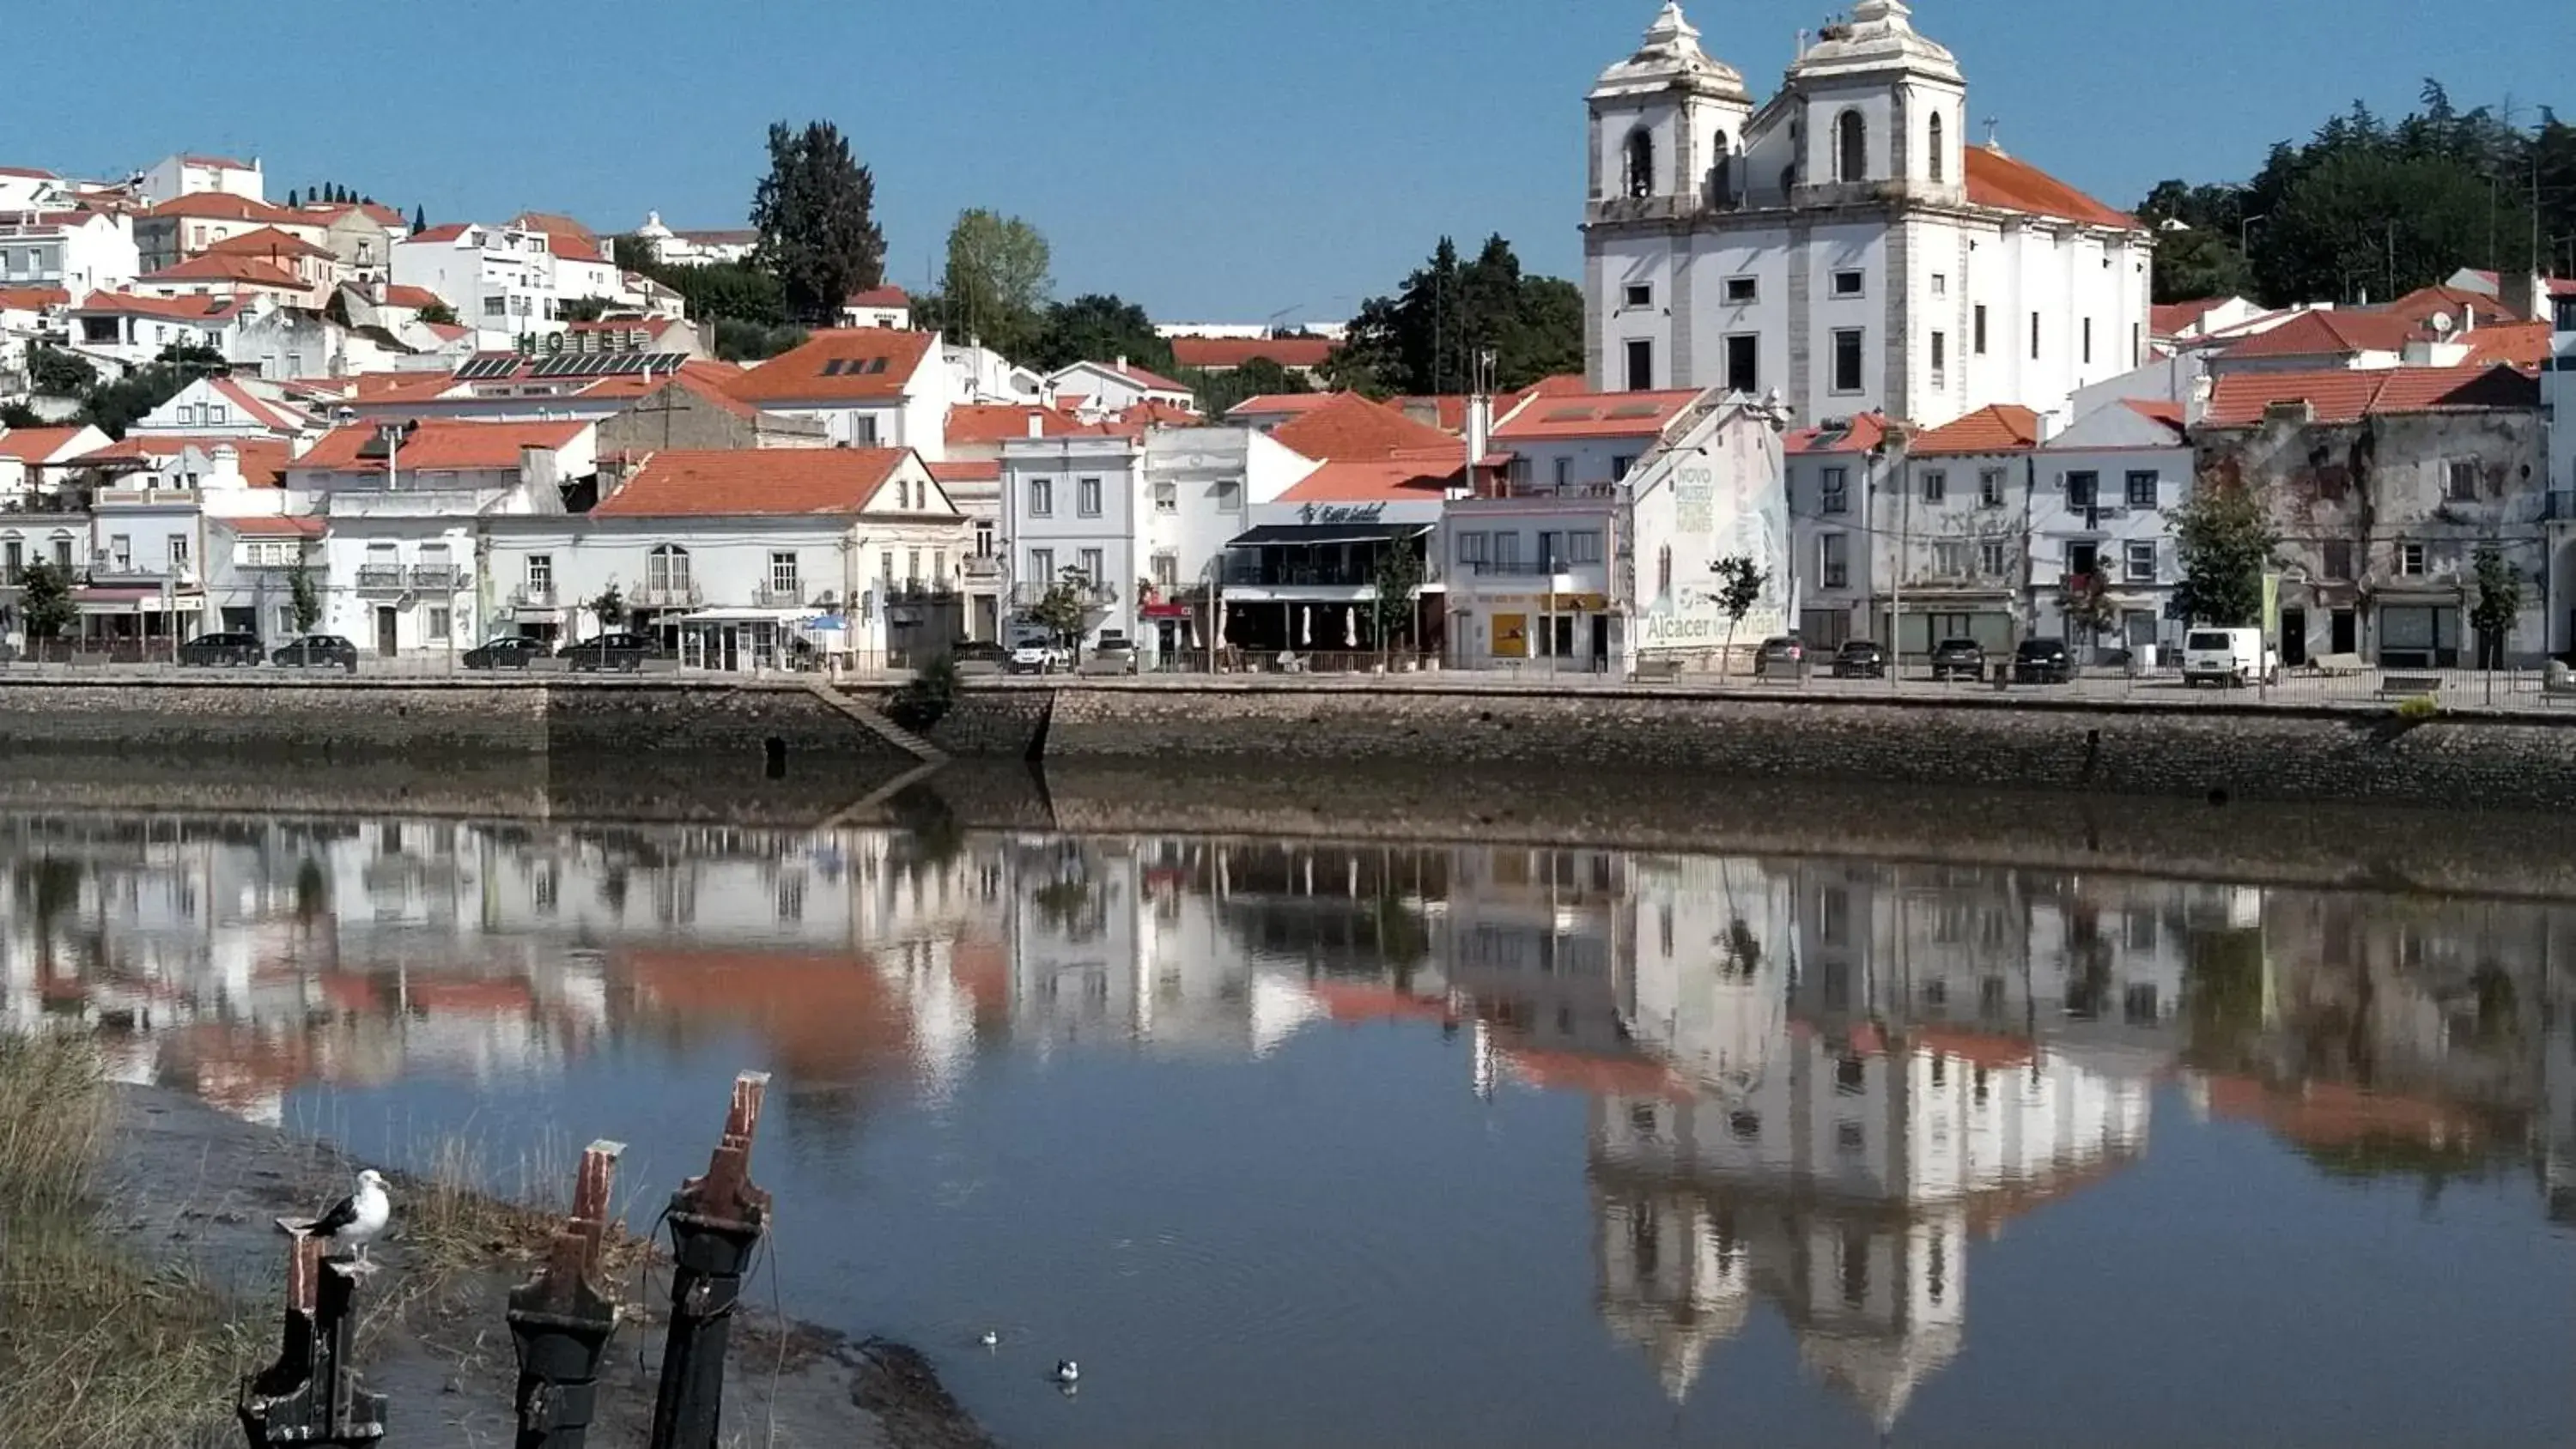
(1300,535)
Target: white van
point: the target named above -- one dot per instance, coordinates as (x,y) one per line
(2230,657)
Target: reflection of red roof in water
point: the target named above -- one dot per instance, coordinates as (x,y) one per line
(2333,1114)
(828,1018)
(1977,1048)
(1600,1076)
(509,997)
(1352,1001)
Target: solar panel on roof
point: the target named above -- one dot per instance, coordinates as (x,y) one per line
(1569,415)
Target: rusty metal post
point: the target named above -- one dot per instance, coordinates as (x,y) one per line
(716,1222)
(310,1396)
(561,1320)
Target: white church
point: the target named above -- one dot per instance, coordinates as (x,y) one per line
(1842,244)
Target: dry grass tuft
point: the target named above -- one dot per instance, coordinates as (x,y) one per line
(466,1217)
(94,1348)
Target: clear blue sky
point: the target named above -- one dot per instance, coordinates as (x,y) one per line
(1219,160)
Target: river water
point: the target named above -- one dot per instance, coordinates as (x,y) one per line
(1304,1143)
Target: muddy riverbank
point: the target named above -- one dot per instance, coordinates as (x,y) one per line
(187,1186)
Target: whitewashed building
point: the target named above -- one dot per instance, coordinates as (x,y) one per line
(499,280)
(78,251)
(869,387)
(1072,507)
(188,174)
(2100,510)
(1843,243)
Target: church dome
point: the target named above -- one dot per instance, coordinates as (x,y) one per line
(1669,57)
(1879,37)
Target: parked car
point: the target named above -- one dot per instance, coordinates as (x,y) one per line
(1780,655)
(1036,657)
(223,651)
(510,651)
(1113,654)
(620,651)
(1958,659)
(2233,658)
(1860,659)
(317,651)
(2043,661)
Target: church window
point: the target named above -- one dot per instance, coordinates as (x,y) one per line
(1851,147)
(1939,163)
(1744,363)
(2034,337)
(1980,342)
(1641,163)
(1847,350)
(2088,341)
(1641,365)
(1940,360)
(1641,294)
(1849,284)
(1742,290)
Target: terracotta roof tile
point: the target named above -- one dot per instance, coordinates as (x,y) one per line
(2347,395)
(1596,415)
(2327,334)
(172,309)
(438,446)
(888,296)
(275,526)
(2508,344)
(413,297)
(1279,404)
(1227,352)
(2000,428)
(223,206)
(1858,435)
(967,470)
(443,232)
(268,241)
(32,299)
(2171,319)
(1001,422)
(263,460)
(213,267)
(1999,181)
(35,445)
(754,482)
(1351,427)
(843,364)
(1377,481)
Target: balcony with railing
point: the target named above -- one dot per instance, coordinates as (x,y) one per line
(676,593)
(1093,596)
(981,566)
(130,574)
(772,596)
(533,595)
(437,578)
(380,578)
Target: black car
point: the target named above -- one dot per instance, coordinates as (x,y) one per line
(1780,655)
(1958,659)
(317,651)
(507,652)
(1860,659)
(2043,661)
(223,651)
(620,651)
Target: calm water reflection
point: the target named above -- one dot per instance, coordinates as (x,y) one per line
(1297,1144)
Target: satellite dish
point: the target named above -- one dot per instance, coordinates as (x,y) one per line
(2442,324)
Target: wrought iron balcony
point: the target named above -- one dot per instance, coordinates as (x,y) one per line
(669,594)
(534,596)
(777,598)
(380,578)
(440,578)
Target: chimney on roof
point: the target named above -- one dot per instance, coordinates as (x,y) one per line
(2295,411)
(2523,294)
(1122,362)
(1037,424)
(226,472)
(1480,433)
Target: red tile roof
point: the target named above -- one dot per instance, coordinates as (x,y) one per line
(35,445)
(443,232)
(2464,308)
(1001,422)
(172,309)
(1999,181)
(1860,434)
(32,299)
(1229,352)
(843,364)
(375,211)
(888,296)
(213,267)
(2327,334)
(1596,415)
(223,206)
(1154,412)
(700,376)
(2171,319)
(1279,404)
(968,470)
(2508,344)
(554,224)
(1394,480)
(754,481)
(1999,428)
(1351,427)
(275,526)
(415,298)
(438,446)
(256,407)
(263,460)
(268,241)
(2347,395)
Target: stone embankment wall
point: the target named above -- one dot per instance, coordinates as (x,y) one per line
(2229,751)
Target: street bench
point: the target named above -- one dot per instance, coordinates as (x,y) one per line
(2408,686)
(2335,664)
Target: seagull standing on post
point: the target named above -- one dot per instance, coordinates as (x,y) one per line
(356,1220)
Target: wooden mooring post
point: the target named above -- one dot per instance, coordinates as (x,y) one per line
(717,1222)
(561,1320)
(310,1396)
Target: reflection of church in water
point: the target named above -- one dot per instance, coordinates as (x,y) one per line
(1830,1136)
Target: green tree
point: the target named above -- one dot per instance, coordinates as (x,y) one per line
(1398,583)
(1065,608)
(2224,542)
(290,198)
(14,414)
(816,214)
(115,406)
(2198,229)
(2086,605)
(303,599)
(1429,336)
(1219,392)
(739,341)
(1099,328)
(53,372)
(2499,605)
(419,218)
(609,608)
(438,312)
(1740,582)
(45,605)
(996,286)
